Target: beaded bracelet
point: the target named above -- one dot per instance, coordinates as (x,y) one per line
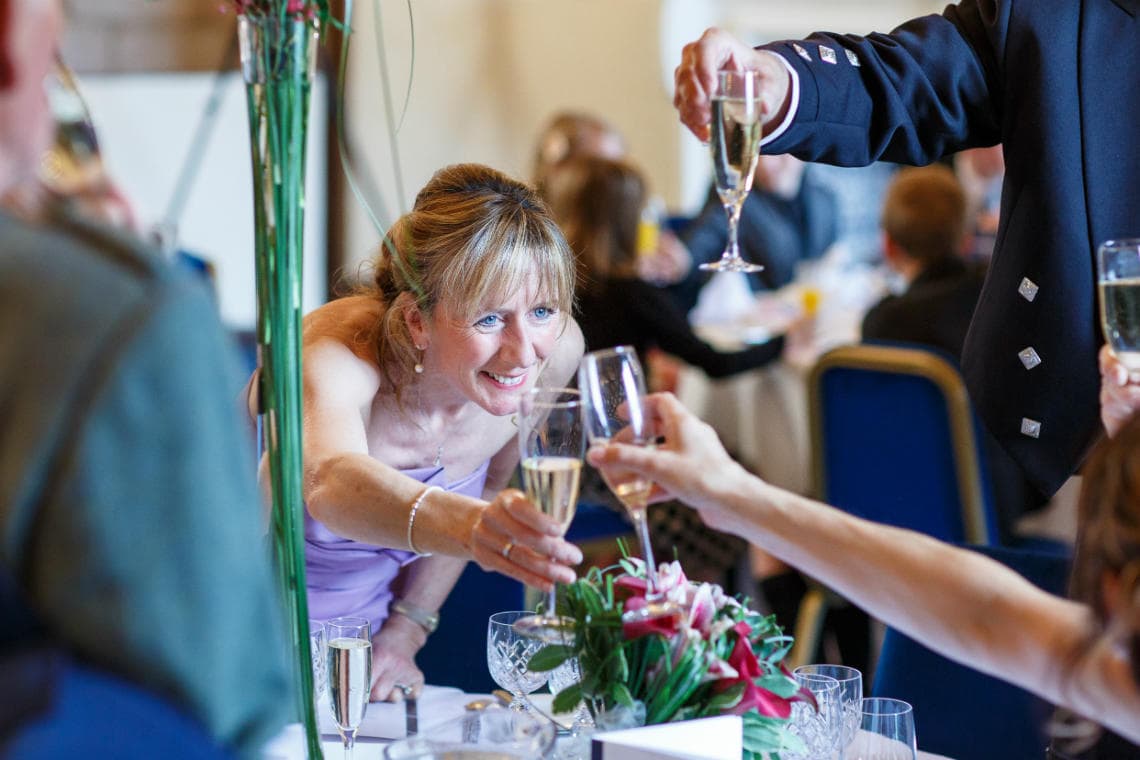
(412,519)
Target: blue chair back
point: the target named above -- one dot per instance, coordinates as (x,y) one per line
(894,440)
(958,711)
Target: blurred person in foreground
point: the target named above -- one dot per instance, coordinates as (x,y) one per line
(1081,654)
(966,78)
(130,516)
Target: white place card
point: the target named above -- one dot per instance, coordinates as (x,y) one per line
(719,738)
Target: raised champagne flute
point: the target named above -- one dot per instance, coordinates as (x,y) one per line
(1118,276)
(350,675)
(552,444)
(613,388)
(734,137)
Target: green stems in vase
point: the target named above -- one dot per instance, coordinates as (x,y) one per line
(278,55)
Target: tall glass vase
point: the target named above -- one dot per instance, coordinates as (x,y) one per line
(278,58)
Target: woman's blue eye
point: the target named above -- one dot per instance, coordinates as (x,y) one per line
(543,312)
(488,321)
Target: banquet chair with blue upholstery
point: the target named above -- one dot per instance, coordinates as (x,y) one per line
(893,440)
(958,711)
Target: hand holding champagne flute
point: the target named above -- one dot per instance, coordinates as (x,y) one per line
(613,385)
(734,138)
(552,444)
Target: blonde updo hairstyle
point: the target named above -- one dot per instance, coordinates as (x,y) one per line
(472,239)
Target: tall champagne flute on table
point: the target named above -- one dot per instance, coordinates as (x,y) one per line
(552,444)
(734,137)
(1118,275)
(613,388)
(350,675)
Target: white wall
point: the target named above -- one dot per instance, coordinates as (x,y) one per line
(488,73)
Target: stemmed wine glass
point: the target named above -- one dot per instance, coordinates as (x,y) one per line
(552,443)
(613,385)
(735,141)
(350,675)
(508,657)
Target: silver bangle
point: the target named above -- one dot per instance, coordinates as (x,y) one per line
(429,621)
(412,519)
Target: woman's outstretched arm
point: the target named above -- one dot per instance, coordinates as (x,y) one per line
(963,605)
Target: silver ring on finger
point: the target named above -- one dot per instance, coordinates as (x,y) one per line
(506,552)
(404,688)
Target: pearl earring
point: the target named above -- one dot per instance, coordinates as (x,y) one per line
(418,368)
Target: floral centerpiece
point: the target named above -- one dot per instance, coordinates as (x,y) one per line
(716,657)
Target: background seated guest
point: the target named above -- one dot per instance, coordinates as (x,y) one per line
(410,391)
(788,217)
(130,524)
(1083,655)
(572,134)
(924,228)
(598,202)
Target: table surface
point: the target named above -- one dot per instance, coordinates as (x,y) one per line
(384,723)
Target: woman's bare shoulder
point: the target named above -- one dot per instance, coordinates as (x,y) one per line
(342,319)
(338,341)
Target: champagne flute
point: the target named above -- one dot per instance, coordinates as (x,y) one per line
(552,443)
(1118,276)
(735,141)
(350,675)
(613,384)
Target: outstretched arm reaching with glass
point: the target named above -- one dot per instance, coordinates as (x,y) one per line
(1081,655)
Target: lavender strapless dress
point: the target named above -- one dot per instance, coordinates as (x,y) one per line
(346,577)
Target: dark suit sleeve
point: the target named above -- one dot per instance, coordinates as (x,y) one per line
(930,87)
(672,334)
(148,554)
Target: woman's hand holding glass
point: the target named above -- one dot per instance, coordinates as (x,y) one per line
(512,536)
(688,463)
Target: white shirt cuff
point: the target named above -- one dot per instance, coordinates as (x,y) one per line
(793,107)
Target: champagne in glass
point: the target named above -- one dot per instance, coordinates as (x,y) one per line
(736,129)
(552,443)
(350,675)
(613,384)
(1118,270)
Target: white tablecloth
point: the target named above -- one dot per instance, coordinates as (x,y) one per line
(384,722)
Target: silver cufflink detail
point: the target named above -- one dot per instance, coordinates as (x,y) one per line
(1028,289)
(1031,428)
(1029,357)
(827,55)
